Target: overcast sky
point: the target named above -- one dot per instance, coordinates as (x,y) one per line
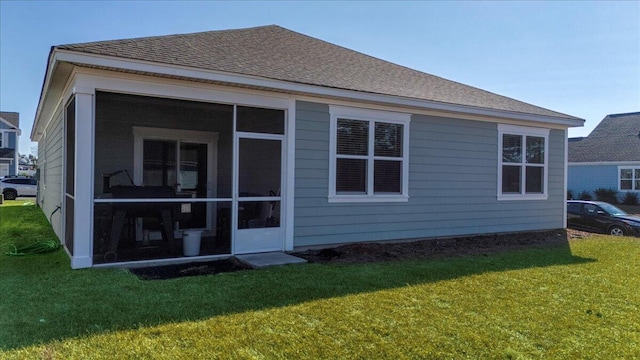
(580,58)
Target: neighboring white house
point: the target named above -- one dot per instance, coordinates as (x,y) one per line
(608,158)
(269,140)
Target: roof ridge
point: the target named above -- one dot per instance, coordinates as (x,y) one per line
(624,114)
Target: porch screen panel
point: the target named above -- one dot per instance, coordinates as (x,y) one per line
(257,120)
(70,136)
(193,168)
(159,163)
(260,167)
(193,179)
(70,160)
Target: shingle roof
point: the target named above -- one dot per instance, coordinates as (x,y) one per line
(12,117)
(277,53)
(616,138)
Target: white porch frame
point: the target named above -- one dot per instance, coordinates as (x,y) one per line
(83,185)
(84,84)
(236,194)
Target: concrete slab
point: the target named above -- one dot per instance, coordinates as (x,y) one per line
(262,260)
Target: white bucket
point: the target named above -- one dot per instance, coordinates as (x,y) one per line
(191,242)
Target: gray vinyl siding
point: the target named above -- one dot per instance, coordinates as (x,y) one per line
(50,152)
(453,172)
(590,177)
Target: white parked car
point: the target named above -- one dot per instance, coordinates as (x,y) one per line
(12,187)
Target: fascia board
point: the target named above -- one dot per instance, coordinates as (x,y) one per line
(612,163)
(13,130)
(10,125)
(254,81)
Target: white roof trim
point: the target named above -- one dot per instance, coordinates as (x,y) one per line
(188,72)
(13,127)
(612,163)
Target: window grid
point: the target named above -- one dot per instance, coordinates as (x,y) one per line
(523,163)
(380,144)
(369,157)
(629,178)
(528,165)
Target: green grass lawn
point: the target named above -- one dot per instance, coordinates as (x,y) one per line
(580,300)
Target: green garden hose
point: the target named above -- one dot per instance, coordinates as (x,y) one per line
(39,247)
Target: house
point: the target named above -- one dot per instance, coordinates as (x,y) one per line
(263,139)
(26,168)
(9,139)
(608,158)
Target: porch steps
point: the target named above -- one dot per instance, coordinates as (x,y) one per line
(262,260)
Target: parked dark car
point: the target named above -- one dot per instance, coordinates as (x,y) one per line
(598,216)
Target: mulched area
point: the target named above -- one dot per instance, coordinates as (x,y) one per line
(191,269)
(438,248)
(377,252)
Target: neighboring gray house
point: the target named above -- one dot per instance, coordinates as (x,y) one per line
(268,140)
(9,136)
(608,158)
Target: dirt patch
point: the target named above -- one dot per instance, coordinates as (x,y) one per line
(377,252)
(438,248)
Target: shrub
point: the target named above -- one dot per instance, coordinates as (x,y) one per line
(585,195)
(630,198)
(607,195)
(569,195)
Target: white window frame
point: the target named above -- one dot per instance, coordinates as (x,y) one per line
(633,178)
(372,117)
(141,133)
(524,132)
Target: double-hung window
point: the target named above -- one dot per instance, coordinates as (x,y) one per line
(523,163)
(369,155)
(629,179)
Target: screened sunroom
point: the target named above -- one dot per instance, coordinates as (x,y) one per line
(168,171)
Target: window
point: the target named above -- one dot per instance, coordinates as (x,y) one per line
(523,163)
(629,178)
(4,139)
(590,208)
(369,155)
